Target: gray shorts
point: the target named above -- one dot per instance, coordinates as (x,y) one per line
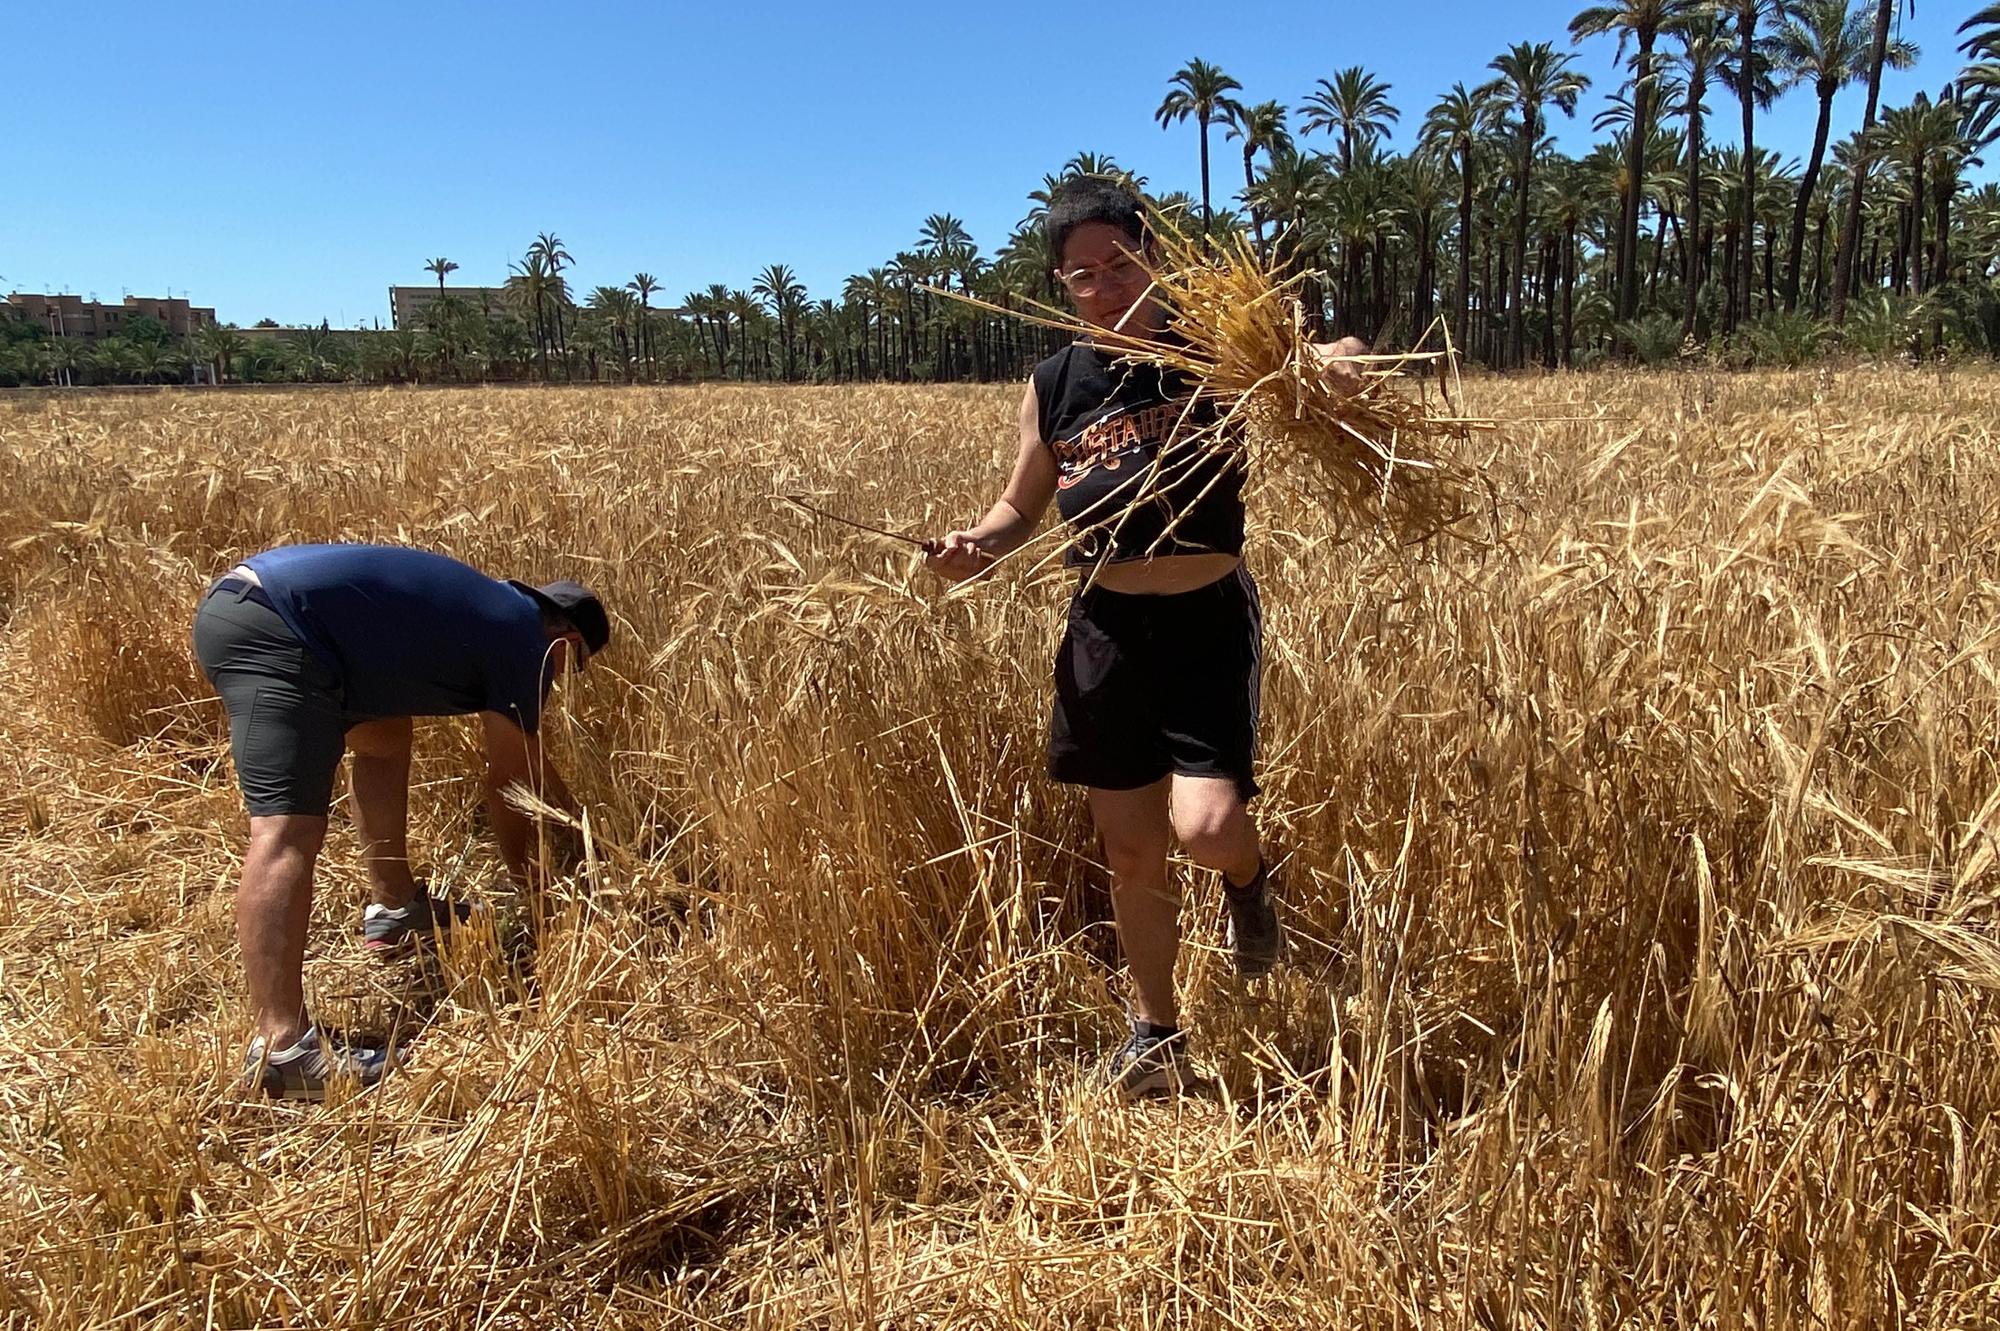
(287,729)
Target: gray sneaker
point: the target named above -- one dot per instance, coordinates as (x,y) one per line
(1255,938)
(304,1071)
(1152,1062)
(385,931)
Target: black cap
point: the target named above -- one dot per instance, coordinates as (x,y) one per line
(576,603)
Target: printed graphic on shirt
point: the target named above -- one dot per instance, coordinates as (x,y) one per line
(1110,441)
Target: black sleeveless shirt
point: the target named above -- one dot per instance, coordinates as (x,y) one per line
(1107,425)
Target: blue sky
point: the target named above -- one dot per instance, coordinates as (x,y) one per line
(294,160)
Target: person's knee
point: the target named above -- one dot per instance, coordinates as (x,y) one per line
(284,843)
(1216,835)
(1132,853)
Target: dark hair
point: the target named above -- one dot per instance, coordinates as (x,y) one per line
(1084,199)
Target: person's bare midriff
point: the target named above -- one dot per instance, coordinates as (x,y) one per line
(1167,575)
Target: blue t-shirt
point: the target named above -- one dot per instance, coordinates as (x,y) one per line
(410,632)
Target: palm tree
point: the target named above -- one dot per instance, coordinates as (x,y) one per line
(1201,90)
(318,353)
(219,347)
(614,307)
(714,303)
(440,267)
(406,350)
(530,286)
(1850,233)
(1292,190)
(1747,73)
(1422,191)
(1531,76)
(1455,127)
(1262,128)
(1704,43)
(858,295)
(446,320)
(548,247)
(882,287)
(786,297)
(1356,105)
(643,285)
(1980,82)
(942,235)
(1640,22)
(153,360)
(749,314)
(1100,164)
(1566,208)
(1824,43)
(1925,139)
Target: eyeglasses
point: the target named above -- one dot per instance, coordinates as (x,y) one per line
(1119,274)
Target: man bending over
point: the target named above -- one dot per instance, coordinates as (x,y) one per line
(316,649)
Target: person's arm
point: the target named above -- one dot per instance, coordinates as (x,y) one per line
(515,758)
(1010,522)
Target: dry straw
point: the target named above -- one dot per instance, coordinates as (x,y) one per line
(1639,878)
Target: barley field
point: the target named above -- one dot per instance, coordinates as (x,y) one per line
(1639,860)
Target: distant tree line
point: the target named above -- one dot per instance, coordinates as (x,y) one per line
(1657,243)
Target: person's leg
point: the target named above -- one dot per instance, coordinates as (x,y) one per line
(1133,827)
(1211,704)
(284,739)
(1214,826)
(380,783)
(273,906)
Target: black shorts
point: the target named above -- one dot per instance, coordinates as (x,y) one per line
(287,729)
(1149,686)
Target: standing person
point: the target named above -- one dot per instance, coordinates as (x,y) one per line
(1156,680)
(319,648)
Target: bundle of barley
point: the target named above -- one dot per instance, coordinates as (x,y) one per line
(1379,442)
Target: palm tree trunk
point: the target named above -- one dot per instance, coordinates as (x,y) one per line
(1747,220)
(1207,214)
(1516,325)
(1819,260)
(1378,295)
(1803,210)
(1569,297)
(1550,266)
(1770,268)
(1917,226)
(1635,187)
(1691,274)
(1730,312)
(1249,191)
(1667,220)
(1465,250)
(1488,283)
(1426,277)
(1943,186)
(1850,234)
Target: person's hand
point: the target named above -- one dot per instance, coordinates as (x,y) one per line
(1343,376)
(956,555)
